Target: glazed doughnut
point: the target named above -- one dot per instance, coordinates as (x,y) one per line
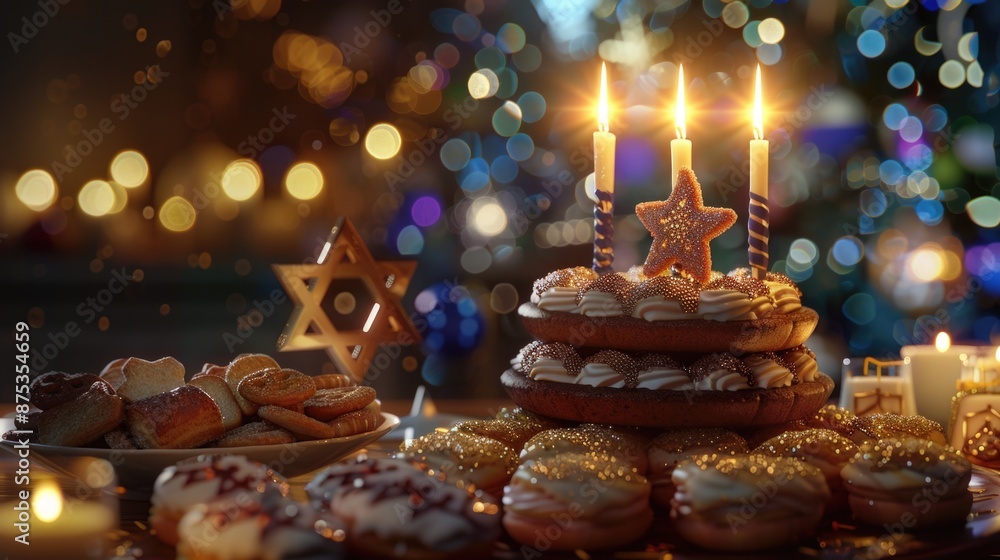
(824,449)
(327,404)
(512,433)
(832,417)
(52,389)
(297,423)
(256,433)
(242,366)
(873,427)
(669,448)
(463,459)
(89,416)
(587,438)
(281,387)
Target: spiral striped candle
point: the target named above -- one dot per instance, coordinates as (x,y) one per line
(759,235)
(758,223)
(604,231)
(604,179)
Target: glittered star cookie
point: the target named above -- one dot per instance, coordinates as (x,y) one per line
(681,227)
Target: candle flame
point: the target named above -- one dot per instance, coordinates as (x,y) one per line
(602,106)
(679,109)
(47,502)
(942,342)
(998,353)
(758,109)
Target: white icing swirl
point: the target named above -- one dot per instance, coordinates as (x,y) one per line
(665,378)
(786,298)
(599,375)
(550,369)
(659,308)
(768,372)
(725,305)
(722,380)
(538,496)
(805,365)
(600,304)
(557,298)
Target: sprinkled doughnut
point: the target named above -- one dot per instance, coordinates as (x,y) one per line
(281,387)
(299,424)
(327,404)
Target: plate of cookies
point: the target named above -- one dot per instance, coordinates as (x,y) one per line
(143,416)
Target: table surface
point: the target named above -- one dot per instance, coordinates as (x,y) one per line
(134,541)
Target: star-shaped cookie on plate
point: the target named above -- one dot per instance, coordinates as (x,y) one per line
(682,227)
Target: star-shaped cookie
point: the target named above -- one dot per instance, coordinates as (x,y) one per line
(682,227)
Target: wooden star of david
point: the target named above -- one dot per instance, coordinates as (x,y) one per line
(345,256)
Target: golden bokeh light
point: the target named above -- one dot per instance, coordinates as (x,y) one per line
(47,502)
(241,179)
(97,198)
(129,169)
(927,263)
(177,214)
(36,189)
(304,181)
(383,141)
(488,217)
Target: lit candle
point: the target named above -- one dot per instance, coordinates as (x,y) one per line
(57,528)
(935,371)
(680,147)
(758,224)
(604,176)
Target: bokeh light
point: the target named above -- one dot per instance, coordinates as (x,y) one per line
(129,169)
(771,31)
(984,211)
(177,214)
(96,198)
(483,83)
(304,181)
(951,74)
(901,75)
(426,211)
(383,141)
(871,43)
(455,154)
(241,179)
(36,189)
(488,217)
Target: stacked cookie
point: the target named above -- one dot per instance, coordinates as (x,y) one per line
(139,404)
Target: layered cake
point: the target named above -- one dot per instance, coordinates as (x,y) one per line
(670,343)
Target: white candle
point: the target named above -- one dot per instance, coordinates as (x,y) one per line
(935,371)
(604,177)
(680,147)
(758,224)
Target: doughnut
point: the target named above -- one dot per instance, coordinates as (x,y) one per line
(832,417)
(357,422)
(204,479)
(259,525)
(824,449)
(327,404)
(145,379)
(669,448)
(297,423)
(394,510)
(463,459)
(908,483)
(261,432)
(873,427)
(242,366)
(52,389)
(577,501)
(182,418)
(112,373)
(514,434)
(84,419)
(757,436)
(332,381)
(218,389)
(767,502)
(587,438)
(282,387)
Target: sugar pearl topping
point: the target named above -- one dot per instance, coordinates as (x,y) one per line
(892,454)
(575,278)
(706,365)
(887,424)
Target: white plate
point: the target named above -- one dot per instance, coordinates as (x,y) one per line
(138,468)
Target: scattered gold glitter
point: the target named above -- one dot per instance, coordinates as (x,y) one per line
(461,450)
(827,445)
(722,441)
(508,431)
(782,469)
(581,467)
(887,424)
(682,227)
(832,417)
(584,439)
(892,454)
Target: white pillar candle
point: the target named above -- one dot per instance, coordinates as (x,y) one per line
(680,147)
(935,371)
(758,225)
